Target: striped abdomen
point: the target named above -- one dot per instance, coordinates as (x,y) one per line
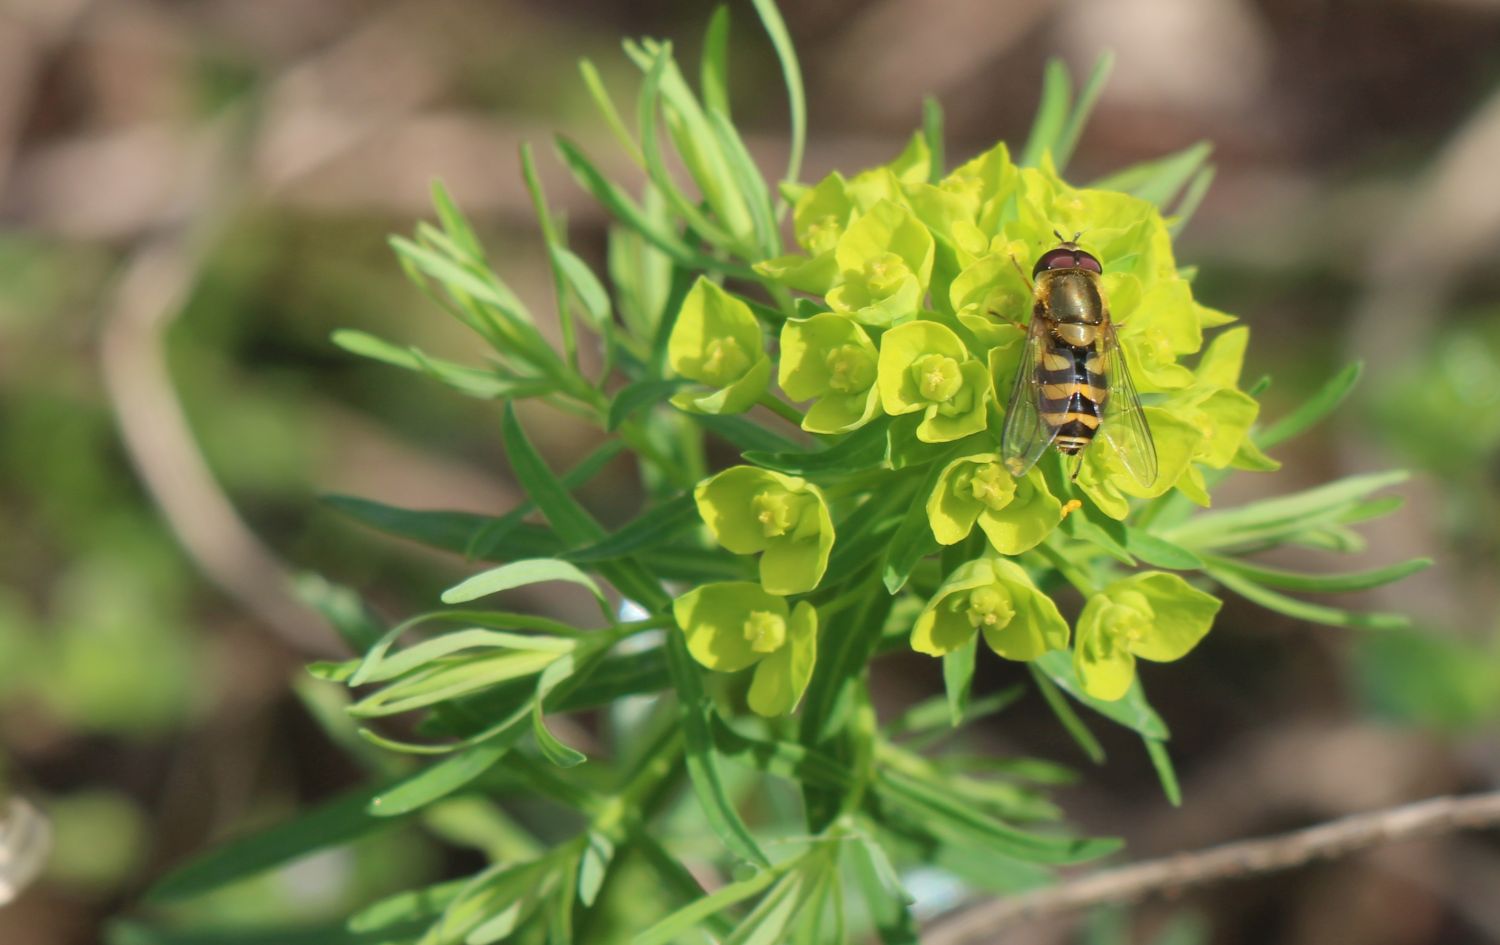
(1073,392)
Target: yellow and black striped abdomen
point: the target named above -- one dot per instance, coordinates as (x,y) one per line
(1073,390)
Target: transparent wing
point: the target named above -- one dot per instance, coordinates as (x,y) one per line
(1025,437)
(1124,424)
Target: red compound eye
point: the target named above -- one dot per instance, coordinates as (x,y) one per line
(1059,258)
(1085,261)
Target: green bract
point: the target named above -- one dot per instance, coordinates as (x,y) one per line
(716,341)
(1016,514)
(753,510)
(884,260)
(1154,616)
(925,367)
(732,625)
(994,597)
(829,358)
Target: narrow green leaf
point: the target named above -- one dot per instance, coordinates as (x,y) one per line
(343,608)
(844,652)
(439,529)
(1187,207)
(586,286)
(1159,552)
(1165,772)
(715,66)
(1071,723)
(937,808)
(415,905)
(768,922)
(1321,583)
(1302,610)
(552,239)
(440,778)
(328,825)
(660,61)
(1313,409)
(640,395)
(657,525)
(1162,179)
(934,713)
(885,898)
(932,133)
(958,675)
(472,381)
(456,531)
(674,925)
(449,679)
(702,760)
(454,223)
(606,106)
(1072,130)
(786,54)
(494,536)
(1051,113)
(1131,711)
(572,523)
(913,540)
(745,435)
(631,215)
(520,574)
(752,186)
(555,750)
(856,451)
(593,865)
(1281,515)
(785,759)
(378,667)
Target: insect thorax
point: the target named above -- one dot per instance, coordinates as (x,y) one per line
(1071,296)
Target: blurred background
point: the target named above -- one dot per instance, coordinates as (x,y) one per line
(195,193)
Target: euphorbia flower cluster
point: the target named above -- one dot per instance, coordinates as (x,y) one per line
(918,294)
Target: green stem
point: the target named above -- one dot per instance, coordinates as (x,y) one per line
(781,408)
(1068,569)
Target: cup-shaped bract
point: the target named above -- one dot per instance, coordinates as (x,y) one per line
(782,518)
(885,261)
(924,367)
(736,624)
(829,359)
(994,597)
(1152,616)
(1015,514)
(716,341)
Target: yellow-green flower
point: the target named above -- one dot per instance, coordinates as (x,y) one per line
(822,213)
(1105,480)
(1153,616)
(716,341)
(884,260)
(1157,325)
(1126,233)
(994,597)
(923,366)
(830,358)
(965,209)
(783,518)
(733,625)
(1015,514)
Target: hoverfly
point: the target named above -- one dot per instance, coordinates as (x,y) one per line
(1072,381)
